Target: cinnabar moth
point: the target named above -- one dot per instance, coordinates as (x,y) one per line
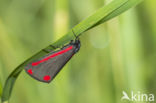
(47,67)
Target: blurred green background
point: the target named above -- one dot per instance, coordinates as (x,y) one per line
(116,56)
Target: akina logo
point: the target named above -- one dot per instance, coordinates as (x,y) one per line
(137,97)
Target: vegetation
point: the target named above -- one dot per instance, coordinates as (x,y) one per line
(115,56)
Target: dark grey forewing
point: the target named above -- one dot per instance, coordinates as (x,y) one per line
(50,67)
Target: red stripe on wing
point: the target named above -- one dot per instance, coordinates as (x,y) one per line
(51,56)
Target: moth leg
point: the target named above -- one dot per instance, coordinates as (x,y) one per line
(62,47)
(46,51)
(71,42)
(53,47)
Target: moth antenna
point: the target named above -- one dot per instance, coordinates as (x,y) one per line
(74,34)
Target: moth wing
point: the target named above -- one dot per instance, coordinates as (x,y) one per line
(47,70)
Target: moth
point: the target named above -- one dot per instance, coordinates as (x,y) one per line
(47,67)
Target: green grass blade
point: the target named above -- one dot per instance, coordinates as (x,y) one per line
(118,11)
(113,9)
(13,76)
(9,84)
(91,21)
(102,15)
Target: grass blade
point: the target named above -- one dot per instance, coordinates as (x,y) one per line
(118,11)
